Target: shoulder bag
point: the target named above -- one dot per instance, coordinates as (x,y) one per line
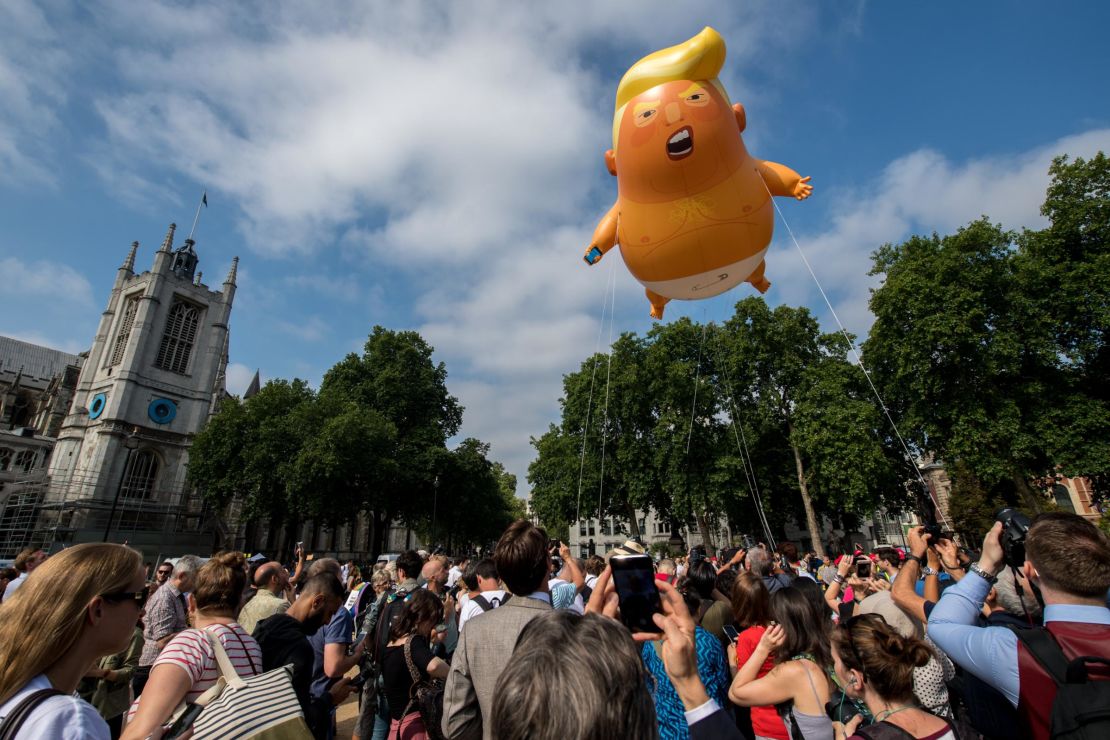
(426,697)
(261,707)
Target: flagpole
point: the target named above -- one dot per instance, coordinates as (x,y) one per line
(203,201)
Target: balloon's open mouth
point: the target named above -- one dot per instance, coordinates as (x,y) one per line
(681,144)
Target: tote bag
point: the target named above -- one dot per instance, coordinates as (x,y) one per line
(261,707)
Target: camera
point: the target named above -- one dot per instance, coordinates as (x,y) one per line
(1015,526)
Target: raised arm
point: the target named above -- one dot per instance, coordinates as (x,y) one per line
(903,591)
(832,593)
(783,181)
(605,237)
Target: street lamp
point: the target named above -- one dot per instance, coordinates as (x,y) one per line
(131,442)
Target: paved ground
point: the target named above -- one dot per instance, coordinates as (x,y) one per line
(346,716)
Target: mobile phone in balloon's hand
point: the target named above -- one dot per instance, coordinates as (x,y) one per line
(634,578)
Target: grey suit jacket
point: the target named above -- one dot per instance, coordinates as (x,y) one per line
(484,649)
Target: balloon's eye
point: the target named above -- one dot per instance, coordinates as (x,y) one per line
(645,116)
(698,99)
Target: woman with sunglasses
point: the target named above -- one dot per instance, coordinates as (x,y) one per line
(876,665)
(50,637)
(187,667)
(419,626)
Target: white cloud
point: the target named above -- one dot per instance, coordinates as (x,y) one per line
(51,297)
(920,192)
(33,65)
(307,328)
(238,378)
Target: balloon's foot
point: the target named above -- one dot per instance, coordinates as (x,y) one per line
(762,285)
(658,302)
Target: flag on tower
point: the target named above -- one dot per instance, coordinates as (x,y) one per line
(204,198)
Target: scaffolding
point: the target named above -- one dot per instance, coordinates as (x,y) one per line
(52,514)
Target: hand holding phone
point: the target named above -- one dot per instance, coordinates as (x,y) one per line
(731,633)
(863,568)
(637,594)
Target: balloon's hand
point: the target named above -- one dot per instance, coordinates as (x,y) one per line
(803,189)
(592,255)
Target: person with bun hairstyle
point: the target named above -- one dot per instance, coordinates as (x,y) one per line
(797,640)
(876,664)
(187,667)
(50,636)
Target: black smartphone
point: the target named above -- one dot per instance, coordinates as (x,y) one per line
(863,569)
(634,578)
(731,633)
(184,722)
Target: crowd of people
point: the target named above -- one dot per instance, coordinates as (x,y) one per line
(926,641)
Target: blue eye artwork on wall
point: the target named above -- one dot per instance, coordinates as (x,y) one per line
(161,410)
(96,408)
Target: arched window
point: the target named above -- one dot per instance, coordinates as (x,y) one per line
(142,472)
(6,454)
(1063,498)
(124,331)
(177,340)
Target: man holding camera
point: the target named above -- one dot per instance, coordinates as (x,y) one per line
(1068,559)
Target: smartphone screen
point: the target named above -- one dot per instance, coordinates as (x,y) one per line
(634,578)
(863,569)
(731,633)
(184,722)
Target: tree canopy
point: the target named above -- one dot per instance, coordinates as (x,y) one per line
(373,440)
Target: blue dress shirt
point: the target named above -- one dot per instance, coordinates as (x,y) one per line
(991,653)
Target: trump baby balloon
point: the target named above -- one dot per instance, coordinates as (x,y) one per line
(693,215)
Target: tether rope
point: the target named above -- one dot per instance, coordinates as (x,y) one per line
(610,282)
(745,454)
(608,371)
(859,360)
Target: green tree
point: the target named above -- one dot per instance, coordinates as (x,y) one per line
(991,348)
(248,452)
(396,378)
(797,382)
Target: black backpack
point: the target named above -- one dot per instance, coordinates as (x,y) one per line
(1081,710)
(487,604)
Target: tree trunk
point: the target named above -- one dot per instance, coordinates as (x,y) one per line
(1031,500)
(811,515)
(378,524)
(634,523)
(707,538)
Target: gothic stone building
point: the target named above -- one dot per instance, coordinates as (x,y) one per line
(120,417)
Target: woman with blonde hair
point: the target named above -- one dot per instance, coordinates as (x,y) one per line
(78,606)
(186,667)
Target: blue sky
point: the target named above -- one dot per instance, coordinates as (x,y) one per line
(438,166)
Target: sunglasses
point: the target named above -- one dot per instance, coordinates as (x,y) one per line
(139,597)
(164,572)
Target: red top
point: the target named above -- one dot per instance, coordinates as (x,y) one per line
(1037,690)
(765,720)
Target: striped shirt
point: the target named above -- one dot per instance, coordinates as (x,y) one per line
(192,652)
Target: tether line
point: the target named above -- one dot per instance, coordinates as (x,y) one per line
(859,360)
(610,282)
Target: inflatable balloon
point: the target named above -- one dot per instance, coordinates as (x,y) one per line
(693,215)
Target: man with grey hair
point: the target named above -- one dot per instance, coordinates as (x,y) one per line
(167,613)
(759,563)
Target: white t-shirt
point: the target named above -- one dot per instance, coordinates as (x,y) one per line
(471,609)
(59,717)
(453,575)
(13,585)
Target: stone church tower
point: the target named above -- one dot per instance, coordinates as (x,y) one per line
(153,374)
